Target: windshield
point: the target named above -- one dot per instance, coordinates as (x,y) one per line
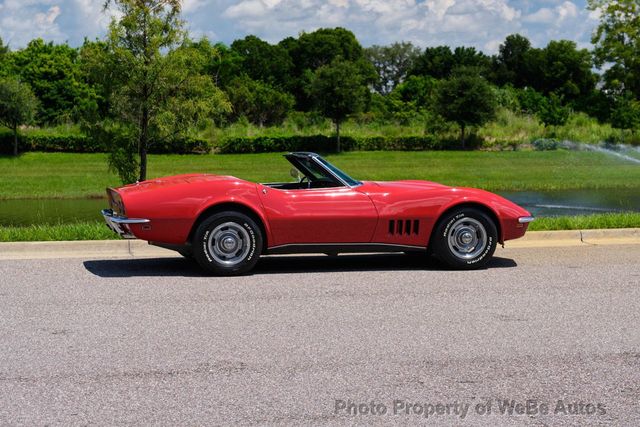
(343,176)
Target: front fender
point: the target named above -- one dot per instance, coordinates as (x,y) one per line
(506,212)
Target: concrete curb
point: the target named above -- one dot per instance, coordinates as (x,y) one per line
(541,239)
(141,249)
(83,249)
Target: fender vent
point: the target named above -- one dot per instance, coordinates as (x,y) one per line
(404,227)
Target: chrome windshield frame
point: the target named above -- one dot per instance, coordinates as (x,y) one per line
(324,165)
(316,158)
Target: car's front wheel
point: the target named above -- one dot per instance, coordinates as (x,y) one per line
(227,243)
(465,238)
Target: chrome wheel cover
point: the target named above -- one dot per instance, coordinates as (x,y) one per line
(229,244)
(467,238)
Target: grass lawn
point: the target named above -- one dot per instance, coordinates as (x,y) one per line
(61,232)
(62,175)
(587,222)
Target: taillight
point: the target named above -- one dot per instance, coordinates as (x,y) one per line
(115,202)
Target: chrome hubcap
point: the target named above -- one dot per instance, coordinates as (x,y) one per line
(467,238)
(229,244)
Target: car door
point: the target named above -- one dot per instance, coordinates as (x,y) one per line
(323,215)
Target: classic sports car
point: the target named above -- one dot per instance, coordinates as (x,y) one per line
(226,223)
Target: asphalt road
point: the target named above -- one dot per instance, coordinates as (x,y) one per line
(308,340)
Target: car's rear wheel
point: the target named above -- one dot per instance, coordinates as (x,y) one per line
(227,243)
(465,238)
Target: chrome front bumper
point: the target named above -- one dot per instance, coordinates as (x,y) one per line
(526,219)
(119,223)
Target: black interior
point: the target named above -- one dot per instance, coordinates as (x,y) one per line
(313,174)
(303,185)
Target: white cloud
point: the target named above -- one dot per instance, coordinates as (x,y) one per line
(541,16)
(439,7)
(480,23)
(472,22)
(339,3)
(555,16)
(52,20)
(567,10)
(569,20)
(47,19)
(22,21)
(192,5)
(492,45)
(246,9)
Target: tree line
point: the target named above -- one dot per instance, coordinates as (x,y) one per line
(146,81)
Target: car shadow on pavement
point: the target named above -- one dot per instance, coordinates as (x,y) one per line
(180,267)
(374,262)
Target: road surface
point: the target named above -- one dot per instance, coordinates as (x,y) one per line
(545,336)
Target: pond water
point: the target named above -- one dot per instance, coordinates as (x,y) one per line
(50,211)
(539,203)
(576,202)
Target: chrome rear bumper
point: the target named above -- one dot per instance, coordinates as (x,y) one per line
(116,223)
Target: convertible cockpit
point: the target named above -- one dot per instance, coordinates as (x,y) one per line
(312,171)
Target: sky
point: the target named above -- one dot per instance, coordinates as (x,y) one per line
(483,24)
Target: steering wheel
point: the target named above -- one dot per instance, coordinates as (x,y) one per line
(303,179)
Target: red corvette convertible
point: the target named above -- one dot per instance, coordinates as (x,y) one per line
(226,223)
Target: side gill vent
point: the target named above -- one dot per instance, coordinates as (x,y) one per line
(405,227)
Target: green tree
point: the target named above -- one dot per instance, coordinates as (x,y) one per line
(559,68)
(553,112)
(158,91)
(97,70)
(467,99)
(53,73)
(469,57)
(617,43)
(225,64)
(18,106)
(259,102)
(418,90)
(4,55)
(392,64)
(4,49)
(439,62)
(531,101)
(339,89)
(626,114)
(411,99)
(263,61)
(511,61)
(436,62)
(567,71)
(313,50)
(321,47)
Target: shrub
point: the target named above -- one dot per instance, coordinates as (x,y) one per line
(187,145)
(78,143)
(546,144)
(322,143)
(50,143)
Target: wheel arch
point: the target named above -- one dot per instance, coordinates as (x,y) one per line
(231,206)
(476,205)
